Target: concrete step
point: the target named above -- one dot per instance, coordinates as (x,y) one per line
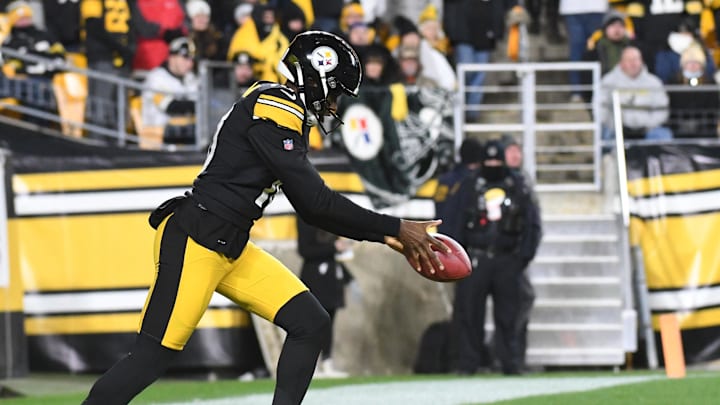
(590,356)
(579,224)
(581,245)
(598,338)
(573,292)
(539,268)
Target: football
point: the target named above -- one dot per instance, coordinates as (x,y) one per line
(457,263)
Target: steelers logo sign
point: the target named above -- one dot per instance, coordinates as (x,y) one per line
(362,133)
(324,59)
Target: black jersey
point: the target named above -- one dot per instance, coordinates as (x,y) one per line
(260,146)
(106,28)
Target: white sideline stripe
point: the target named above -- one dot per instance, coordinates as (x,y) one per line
(95,201)
(688,299)
(675,204)
(148,200)
(96,301)
(446,392)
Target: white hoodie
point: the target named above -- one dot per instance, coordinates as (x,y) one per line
(644,101)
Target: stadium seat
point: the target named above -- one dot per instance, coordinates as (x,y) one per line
(150,137)
(70,90)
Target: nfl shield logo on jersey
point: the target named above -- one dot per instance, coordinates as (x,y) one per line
(288,144)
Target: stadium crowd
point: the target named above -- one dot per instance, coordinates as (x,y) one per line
(676,44)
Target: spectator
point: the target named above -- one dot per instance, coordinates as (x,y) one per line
(667,61)
(609,46)
(696,113)
(654,21)
(261,37)
(171,90)
(36,89)
(432,31)
(473,28)
(411,70)
(373,10)
(451,195)
(64,22)
(327,15)
(514,162)
(360,36)
(386,98)
(203,34)
(501,233)
(223,15)
(243,71)
(351,13)
(164,21)
(435,64)
(642,97)
(379,66)
(27,38)
(552,20)
(292,20)
(242,13)
(326,277)
(582,19)
(109,50)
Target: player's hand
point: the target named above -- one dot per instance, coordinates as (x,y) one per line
(415,243)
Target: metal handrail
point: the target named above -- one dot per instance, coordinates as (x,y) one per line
(123,84)
(527,90)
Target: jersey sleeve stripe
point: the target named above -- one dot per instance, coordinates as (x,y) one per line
(284,117)
(281,106)
(283,102)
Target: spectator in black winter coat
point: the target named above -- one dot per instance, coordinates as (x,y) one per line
(474,27)
(63,22)
(327,15)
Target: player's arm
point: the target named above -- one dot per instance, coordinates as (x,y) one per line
(277,139)
(319,205)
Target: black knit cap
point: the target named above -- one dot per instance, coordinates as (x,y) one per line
(471,151)
(494,149)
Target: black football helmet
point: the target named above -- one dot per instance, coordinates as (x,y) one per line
(322,66)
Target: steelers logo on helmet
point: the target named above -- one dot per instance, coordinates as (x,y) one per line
(324,59)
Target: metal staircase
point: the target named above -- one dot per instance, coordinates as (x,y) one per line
(577,318)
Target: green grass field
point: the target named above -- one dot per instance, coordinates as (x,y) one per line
(558,388)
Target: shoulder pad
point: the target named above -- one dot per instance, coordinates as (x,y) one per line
(278,104)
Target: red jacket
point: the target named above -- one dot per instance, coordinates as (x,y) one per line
(168,15)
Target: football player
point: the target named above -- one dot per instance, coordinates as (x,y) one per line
(202,246)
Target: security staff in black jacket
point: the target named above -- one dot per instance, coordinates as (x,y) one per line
(202,241)
(326,276)
(501,235)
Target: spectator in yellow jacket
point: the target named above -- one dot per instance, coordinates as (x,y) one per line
(262,38)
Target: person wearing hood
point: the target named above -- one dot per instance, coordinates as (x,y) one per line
(501,233)
(644,101)
(263,39)
(292,20)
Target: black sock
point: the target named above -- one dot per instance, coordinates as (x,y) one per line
(307,325)
(145,363)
